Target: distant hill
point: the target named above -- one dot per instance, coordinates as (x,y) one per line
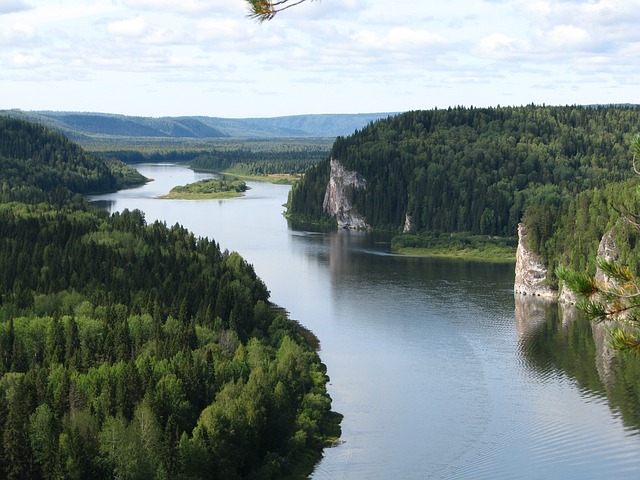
(84,126)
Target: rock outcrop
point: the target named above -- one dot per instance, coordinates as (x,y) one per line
(408,224)
(607,250)
(531,273)
(337,202)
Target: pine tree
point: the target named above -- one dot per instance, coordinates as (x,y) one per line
(616,299)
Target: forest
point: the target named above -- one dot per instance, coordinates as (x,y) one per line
(475,170)
(564,171)
(255,159)
(133,350)
(33,160)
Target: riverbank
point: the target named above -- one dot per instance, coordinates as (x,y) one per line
(277,178)
(460,246)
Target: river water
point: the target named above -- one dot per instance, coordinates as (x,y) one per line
(439,372)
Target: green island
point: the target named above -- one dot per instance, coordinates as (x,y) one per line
(207,189)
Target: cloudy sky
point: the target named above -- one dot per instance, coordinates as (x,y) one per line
(205,57)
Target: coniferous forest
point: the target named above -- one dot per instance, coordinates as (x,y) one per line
(135,350)
(476,170)
(560,170)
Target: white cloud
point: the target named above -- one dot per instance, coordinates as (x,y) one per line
(569,37)
(128,27)
(498,45)
(18,34)
(221,30)
(606,20)
(21,60)
(188,7)
(320,55)
(12,6)
(398,39)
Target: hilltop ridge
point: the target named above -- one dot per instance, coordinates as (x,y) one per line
(83,126)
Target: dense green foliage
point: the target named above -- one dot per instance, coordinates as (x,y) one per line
(290,159)
(33,157)
(476,170)
(568,234)
(259,159)
(130,350)
(613,293)
(209,188)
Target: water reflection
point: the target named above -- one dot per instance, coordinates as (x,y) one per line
(107,205)
(556,339)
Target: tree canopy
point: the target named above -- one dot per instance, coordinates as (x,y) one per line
(614,295)
(476,170)
(136,350)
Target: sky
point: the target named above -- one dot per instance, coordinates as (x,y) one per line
(206,57)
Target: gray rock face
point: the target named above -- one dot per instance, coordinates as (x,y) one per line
(607,250)
(531,273)
(408,224)
(337,202)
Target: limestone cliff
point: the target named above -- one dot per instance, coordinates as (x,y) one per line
(607,250)
(337,202)
(531,273)
(408,224)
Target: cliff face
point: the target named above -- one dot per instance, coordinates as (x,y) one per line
(607,250)
(336,199)
(531,273)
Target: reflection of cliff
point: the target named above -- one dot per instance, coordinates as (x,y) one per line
(552,334)
(531,314)
(558,337)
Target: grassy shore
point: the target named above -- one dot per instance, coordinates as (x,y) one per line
(201,196)
(458,246)
(277,178)
(507,256)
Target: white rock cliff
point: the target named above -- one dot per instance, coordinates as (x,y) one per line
(336,198)
(531,273)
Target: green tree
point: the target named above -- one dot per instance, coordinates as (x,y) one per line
(44,438)
(15,438)
(615,295)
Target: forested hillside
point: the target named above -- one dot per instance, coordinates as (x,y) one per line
(130,350)
(33,158)
(476,170)
(291,159)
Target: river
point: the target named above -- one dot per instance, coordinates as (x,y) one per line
(439,372)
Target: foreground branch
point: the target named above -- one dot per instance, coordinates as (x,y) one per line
(262,10)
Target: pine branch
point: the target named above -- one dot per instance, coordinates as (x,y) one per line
(263,10)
